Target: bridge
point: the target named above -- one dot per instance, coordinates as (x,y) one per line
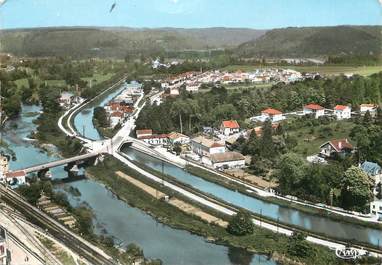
(47,166)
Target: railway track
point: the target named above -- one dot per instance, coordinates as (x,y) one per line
(57,230)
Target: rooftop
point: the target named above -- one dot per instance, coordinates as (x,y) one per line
(313,106)
(206,142)
(232,124)
(340,107)
(226,157)
(271,111)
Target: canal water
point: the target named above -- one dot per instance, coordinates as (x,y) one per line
(284,214)
(116,218)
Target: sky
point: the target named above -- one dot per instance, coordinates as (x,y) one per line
(258,14)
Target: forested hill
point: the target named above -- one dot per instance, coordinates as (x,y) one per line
(116,42)
(315,41)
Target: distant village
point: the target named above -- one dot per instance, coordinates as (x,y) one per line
(192,81)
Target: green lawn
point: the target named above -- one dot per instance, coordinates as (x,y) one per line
(96,79)
(309,139)
(323,69)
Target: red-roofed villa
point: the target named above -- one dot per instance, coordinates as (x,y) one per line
(229,127)
(315,109)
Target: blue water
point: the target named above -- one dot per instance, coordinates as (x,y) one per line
(83,121)
(286,215)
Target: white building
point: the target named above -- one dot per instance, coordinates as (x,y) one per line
(193,88)
(372,108)
(314,109)
(342,112)
(229,127)
(143,133)
(15,178)
(178,138)
(227,160)
(376,208)
(155,139)
(205,147)
(273,115)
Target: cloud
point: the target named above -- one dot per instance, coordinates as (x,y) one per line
(380,2)
(176,1)
(2,2)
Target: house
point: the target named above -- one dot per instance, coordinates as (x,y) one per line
(155,139)
(192,88)
(229,127)
(15,178)
(227,160)
(376,208)
(374,171)
(271,114)
(342,112)
(143,133)
(116,117)
(370,168)
(332,148)
(372,108)
(178,138)
(314,109)
(203,146)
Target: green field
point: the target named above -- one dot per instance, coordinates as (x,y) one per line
(96,79)
(322,69)
(311,138)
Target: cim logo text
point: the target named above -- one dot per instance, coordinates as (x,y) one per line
(347,253)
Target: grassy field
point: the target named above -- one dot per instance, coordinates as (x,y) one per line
(96,79)
(323,69)
(311,138)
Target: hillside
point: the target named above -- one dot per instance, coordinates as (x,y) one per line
(116,42)
(315,41)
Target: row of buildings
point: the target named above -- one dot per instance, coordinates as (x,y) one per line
(191,81)
(208,150)
(341,112)
(122,106)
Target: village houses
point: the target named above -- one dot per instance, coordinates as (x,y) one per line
(332,148)
(314,109)
(342,112)
(229,127)
(203,146)
(270,114)
(371,108)
(227,160)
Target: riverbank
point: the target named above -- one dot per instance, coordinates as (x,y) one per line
(212,177)
(262,241)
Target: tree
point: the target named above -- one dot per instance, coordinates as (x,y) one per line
(241,224)
(291,172)
(177,148)
(100,116)
(355,189)
(298,246)
(266,143)
(367,118)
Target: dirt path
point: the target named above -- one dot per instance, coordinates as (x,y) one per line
(181,205)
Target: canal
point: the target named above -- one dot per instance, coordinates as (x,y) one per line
(285,215)
(116,218)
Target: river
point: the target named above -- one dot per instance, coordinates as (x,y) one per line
(125,223)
